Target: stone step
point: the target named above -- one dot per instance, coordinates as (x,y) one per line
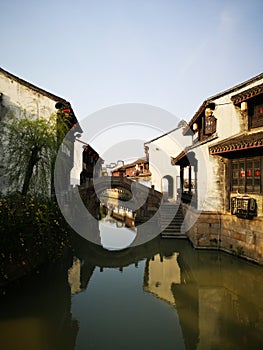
(176,218)
(168,216)
(165,224)
(173,228)
(171,221)
(168,235)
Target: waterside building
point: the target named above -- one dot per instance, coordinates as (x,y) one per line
(221,180)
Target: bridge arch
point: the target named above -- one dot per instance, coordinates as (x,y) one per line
(139,193)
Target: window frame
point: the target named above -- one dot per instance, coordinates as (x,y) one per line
(246,174)
(255,112)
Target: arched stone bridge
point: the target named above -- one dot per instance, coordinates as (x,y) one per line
(144,201)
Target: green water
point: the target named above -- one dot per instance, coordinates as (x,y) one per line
(161,295)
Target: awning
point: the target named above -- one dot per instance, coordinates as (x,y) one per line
(238,143)
(184,158)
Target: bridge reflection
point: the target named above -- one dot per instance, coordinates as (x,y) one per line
(115,191)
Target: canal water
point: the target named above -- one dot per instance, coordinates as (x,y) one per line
(160,295)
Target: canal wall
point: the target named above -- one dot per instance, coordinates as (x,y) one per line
(235,235)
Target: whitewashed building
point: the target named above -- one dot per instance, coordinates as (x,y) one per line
(224,165)
(19,98)
(164,176)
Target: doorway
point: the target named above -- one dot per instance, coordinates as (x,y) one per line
(168,187)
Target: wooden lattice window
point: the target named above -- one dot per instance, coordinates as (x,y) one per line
(246,176)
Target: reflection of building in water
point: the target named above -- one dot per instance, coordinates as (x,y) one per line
(36,311)
(169,278)
(74,277)
(110,200)
(117,193)
(160,274)
(79,274)
(213,303)
(121,218)
(217,298)
(227,309)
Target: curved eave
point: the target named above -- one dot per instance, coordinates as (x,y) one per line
(184,158)
(238,144)
(246,95)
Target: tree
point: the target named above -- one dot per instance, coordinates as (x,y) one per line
(30,148)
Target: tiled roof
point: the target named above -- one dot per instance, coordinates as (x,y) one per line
(245,95)
(221,94)
(186,157)
(238,143)
(196,115)
(31,86)
(130,165)
(182,123)
(40,91)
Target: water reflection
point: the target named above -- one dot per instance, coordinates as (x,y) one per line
(114,235)
(35,312)
(216,297)
(114,218)
(74,277)
(163,294)
(161,273)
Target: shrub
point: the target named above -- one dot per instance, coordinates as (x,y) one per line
(32,230)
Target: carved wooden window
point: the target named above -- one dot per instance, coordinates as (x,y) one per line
(246,175)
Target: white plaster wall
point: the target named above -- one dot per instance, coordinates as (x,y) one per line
(19,97)
(154,166)
(228,122)
(228,116)
(228,125)
(77,168)
(207,193)
(160,152)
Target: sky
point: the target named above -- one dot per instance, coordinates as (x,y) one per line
(169,54)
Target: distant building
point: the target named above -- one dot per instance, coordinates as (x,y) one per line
(137,170)
(91,163)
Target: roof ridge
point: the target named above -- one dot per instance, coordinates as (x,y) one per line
(32,86)
(236,87)
(168,132)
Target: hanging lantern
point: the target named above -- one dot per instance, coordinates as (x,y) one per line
(66,110)
(195,126)
(243,106)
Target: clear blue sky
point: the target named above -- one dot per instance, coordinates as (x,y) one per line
(167,53)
